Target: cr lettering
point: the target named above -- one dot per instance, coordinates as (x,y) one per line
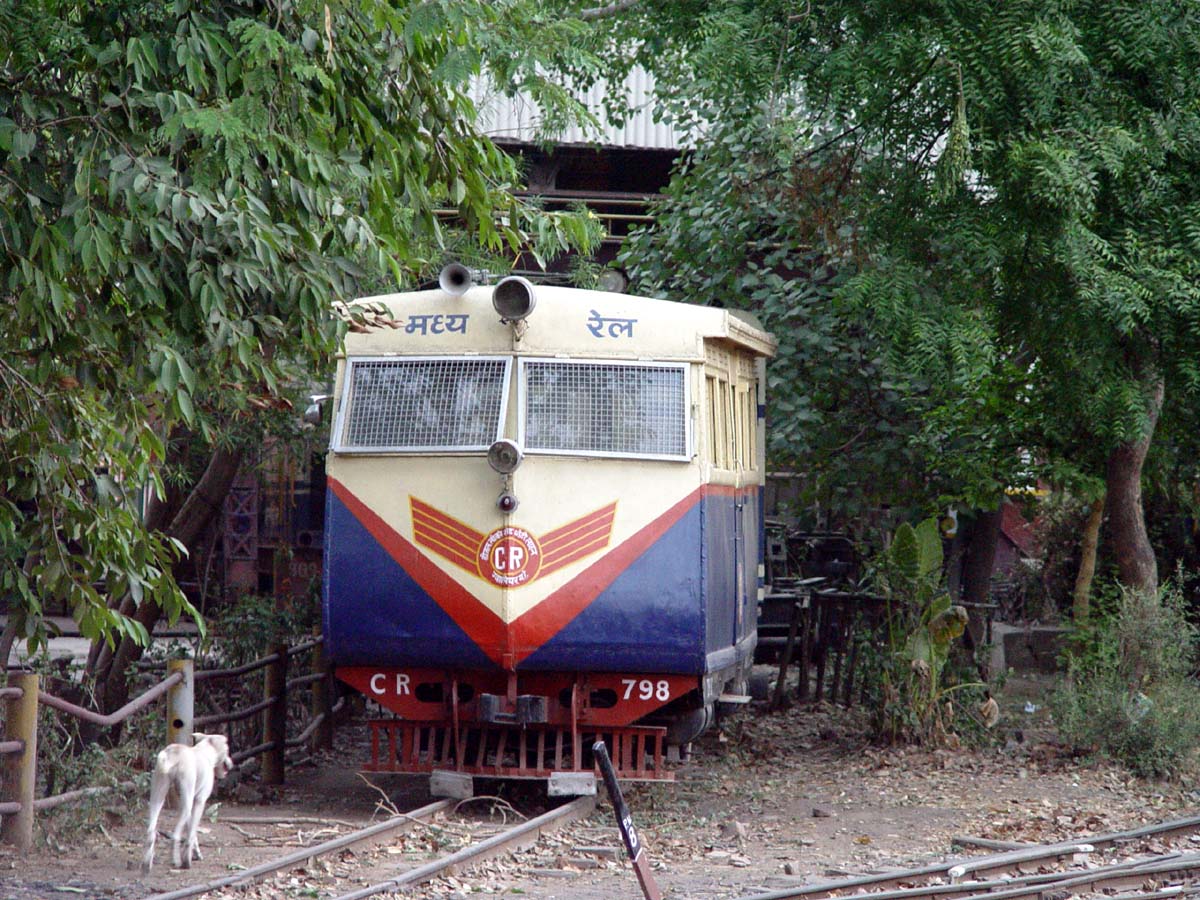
(508,559)
(379,679)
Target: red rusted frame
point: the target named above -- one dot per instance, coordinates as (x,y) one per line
(509,751)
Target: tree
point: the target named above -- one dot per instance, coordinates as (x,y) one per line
(185,191)
(1029,167)
(747,223)
(1081,176)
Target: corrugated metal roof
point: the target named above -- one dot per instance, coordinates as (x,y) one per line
(518,118)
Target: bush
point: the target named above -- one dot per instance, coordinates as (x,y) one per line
(1128,693)
(246,630)
(911,682)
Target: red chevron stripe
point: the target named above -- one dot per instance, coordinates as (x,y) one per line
(597,526)
(599,533)
(460,559)
(464,533)
(438,535)
(559,562)
(448,535)
(447,545)
(445,535)
(605,514)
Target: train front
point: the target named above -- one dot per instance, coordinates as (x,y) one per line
(513,560)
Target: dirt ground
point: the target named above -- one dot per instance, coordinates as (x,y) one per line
(768,800)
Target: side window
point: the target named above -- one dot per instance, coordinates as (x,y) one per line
(714,441)
(748,456)
(720,422)
(731,426)
(739,427)
(752,426)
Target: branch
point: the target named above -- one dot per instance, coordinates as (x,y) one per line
(601,12)
(850,130)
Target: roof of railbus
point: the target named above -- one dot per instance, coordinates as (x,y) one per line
(564,321)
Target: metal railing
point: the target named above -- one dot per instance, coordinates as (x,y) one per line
(18,737)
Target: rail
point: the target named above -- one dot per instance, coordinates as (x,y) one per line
(18,735)
(370,833)
(518,836)
(114,718)
(912,884)
(244,669)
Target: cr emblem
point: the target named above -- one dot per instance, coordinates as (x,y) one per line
(509,556)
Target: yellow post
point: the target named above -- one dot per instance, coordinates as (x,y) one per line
(181,703)
(20,769)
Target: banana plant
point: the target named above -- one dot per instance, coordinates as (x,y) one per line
(923,625)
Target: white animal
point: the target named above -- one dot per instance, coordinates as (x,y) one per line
(191,771)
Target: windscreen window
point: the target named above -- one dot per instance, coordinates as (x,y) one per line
(605,409)
(422,405)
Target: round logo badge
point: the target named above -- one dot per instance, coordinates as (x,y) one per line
(509,556)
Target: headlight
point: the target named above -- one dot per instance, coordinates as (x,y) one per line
(504,456)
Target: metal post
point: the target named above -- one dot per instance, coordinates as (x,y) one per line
(322,697)
(777,698)
(275,716)
(20,769)
(633,843)
(181,703)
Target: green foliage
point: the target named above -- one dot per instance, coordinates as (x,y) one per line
(186,189)
(1129,691)
(246,630)
(1024,209)
(749,223)
(1071,233)
(921,626)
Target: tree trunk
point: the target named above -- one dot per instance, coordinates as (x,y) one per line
(979,558)
(7,638)
(1081,604)
(187,526)
(1137,568)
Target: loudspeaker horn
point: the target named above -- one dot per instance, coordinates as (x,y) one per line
(455,279)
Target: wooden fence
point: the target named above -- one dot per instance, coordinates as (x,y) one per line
(18,737)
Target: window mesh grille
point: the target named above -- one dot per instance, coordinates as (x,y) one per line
(413,404)
(602,408)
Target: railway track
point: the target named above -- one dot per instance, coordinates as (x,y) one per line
(521,835)
(1138,864)
(1036,872)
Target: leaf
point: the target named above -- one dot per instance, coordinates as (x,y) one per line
(168,375)
(23,143)
(929,543)
(184,400)
(905,551)
(918,647)
(948,625)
